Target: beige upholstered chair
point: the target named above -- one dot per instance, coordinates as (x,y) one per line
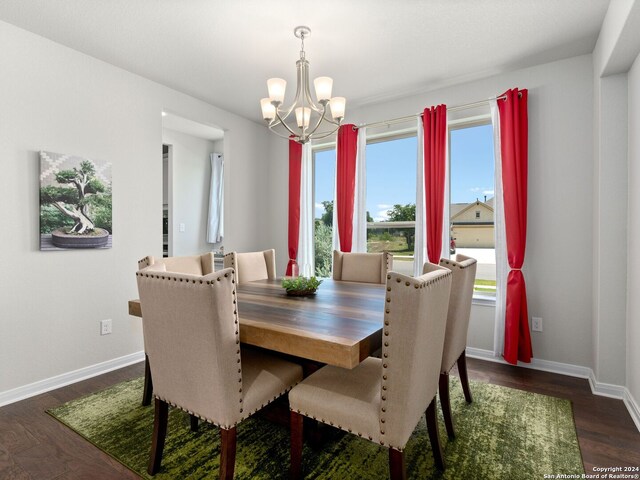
(193,342)
(361,267)
(383,399)
(464,274)
(251,266)
(194,265)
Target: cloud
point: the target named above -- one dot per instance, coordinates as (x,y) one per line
(382,215)
(319,205)
(475,189)
(488,192)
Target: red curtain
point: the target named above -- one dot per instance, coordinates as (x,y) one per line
(514,141)
(346,183)
(295,172)
(434,123)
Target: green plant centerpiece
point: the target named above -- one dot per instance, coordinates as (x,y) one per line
(301,286)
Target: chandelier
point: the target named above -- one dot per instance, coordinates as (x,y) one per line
(309,116)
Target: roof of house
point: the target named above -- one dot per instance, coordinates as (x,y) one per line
(456,209)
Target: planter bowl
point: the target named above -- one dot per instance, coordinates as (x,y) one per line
(97,239)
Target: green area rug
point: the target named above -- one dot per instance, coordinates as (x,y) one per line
(503,434)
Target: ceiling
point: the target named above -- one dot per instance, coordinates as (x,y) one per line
(222,51)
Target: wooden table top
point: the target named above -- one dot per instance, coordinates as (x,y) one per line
(340,325)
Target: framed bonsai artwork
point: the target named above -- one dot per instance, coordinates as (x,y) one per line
(75,202)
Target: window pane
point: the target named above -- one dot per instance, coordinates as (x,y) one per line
(391,200)
(472,202)
(324,162)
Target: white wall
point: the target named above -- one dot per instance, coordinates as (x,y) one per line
(633,271)
(610,228)
(56,99)
(557,268)
(191,175)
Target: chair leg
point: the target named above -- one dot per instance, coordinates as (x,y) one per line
(445,402)
(148,383)
(159,435)
(228,453)
(397,467)
(297,422)
(194,423)
(464,378)
(432,427)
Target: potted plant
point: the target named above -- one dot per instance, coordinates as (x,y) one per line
(301,286)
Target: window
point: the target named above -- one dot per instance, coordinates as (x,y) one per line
(324,171)
(391,199)
(472,203)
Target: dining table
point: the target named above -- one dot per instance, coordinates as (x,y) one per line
(340,325)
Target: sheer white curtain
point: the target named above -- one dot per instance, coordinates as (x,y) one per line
(215,221)
(420,244)
(359,235)
(446,228)
(306,261)
(502,266)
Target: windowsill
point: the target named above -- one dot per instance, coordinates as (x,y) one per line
(483,301)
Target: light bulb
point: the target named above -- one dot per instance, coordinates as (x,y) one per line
(323,87)
(268,110)
(303,118)
(276,88)
(337,105)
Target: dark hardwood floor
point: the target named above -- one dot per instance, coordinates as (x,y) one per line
(35,446)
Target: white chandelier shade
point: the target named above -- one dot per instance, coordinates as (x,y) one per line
(309,115)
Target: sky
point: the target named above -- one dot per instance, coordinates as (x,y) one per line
(391,171)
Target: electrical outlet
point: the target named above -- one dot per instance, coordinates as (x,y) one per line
(182,227)
(536,324)
(105,326)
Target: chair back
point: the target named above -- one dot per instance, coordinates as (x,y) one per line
(191,265)
(463,271)
(361,267)
(412,341)
(251,266)
(193,342)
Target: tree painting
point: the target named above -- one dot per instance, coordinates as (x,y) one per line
(75,202)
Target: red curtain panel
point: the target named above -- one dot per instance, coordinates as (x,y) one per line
(346,183)
(514,142)
(295,172)
(434,123)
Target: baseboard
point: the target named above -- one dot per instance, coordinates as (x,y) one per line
(536,364)
(632,406)
(605,389)
(48,384)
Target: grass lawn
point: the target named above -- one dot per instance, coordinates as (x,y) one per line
(393,244)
